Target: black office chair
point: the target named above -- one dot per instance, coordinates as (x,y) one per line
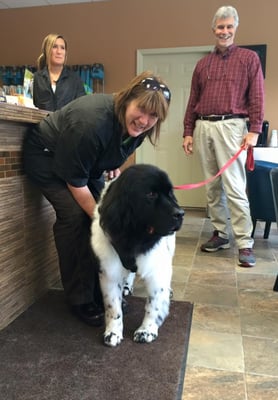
(262,139)
(274,185)
(260,196)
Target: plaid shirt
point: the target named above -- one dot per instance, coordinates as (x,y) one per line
(229,83)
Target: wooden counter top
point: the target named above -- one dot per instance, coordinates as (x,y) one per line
(11,112)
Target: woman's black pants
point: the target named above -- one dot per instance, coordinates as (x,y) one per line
(72,230)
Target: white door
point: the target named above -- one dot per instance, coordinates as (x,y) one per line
(175,66)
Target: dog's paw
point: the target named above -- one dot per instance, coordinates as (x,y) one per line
(112,339)
(127,291)
(142,336)
(128,284)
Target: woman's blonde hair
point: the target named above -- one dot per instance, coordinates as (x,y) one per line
(153,99)
(47,45)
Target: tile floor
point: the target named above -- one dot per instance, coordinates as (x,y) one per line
(233,349)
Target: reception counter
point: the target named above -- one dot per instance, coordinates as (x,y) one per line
(28,260)
(269,154)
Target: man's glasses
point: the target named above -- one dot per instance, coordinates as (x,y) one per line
(153,84)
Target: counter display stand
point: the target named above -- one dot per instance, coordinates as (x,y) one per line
(28,259)
(92,75)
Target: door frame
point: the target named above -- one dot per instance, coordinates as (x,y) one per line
(169,50)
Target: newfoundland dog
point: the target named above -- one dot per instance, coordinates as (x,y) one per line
(133,232)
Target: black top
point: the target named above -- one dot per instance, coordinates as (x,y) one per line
(78,143)
(68,87)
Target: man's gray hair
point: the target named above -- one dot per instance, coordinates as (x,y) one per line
(225,12)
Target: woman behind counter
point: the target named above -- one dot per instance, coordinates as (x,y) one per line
(55,84)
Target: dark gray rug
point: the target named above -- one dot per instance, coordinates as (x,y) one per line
(47,354)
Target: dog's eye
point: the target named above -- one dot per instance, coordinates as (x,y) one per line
(152,195)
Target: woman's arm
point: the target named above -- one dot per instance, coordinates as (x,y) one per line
(84,198)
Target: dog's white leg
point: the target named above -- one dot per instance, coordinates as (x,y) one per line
(156,310)
(111,281)
(156,270)
(112,298)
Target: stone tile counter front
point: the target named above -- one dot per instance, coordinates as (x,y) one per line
(28,259)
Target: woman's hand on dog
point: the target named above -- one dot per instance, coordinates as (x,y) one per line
(113,174)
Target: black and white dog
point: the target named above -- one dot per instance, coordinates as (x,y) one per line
(133,232)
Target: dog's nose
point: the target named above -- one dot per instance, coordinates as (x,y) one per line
(179,213)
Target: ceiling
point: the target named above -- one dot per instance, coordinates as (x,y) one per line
(4,4)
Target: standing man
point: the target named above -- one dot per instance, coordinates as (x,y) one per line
(227,87)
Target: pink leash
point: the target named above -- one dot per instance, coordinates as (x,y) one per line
(249,165)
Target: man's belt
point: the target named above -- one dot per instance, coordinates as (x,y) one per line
(214,118)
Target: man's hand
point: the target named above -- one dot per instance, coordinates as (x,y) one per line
(188,145)
(250,140)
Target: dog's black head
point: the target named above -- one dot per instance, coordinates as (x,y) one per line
(140,206)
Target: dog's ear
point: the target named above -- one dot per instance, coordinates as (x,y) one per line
(116,209)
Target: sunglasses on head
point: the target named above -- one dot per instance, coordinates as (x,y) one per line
(153,84)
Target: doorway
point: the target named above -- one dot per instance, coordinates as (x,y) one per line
(175,66)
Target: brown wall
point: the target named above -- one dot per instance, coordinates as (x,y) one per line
(111,32)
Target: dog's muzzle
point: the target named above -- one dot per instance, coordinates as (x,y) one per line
(178,216)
